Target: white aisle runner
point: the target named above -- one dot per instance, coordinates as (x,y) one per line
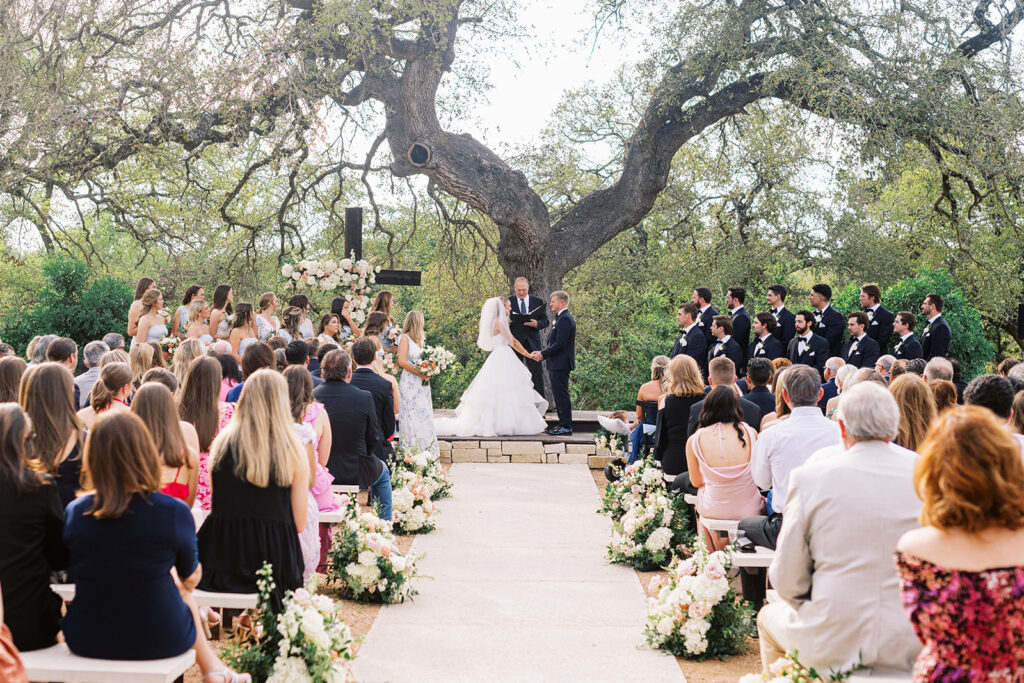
(521,590)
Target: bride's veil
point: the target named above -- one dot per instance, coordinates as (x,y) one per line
(494,309)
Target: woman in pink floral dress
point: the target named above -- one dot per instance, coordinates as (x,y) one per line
(199,404)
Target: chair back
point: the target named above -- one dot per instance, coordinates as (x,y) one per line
(649,410)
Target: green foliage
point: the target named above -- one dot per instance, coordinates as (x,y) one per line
(70,304)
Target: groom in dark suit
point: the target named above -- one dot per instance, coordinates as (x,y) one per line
(561,357)
(527,331)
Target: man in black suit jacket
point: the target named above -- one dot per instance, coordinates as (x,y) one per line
(297,353)
(702,300)
(527,331)
(830,389)
(354,431)
(907,346)
(722,372)
(560,355)
(880,319)
(829,323)
(807,348)
(861,351)
(759,376)
(723,344)
(692,341)
(734,300)
(765,344)
(364,351)
(937,335)
(785,318)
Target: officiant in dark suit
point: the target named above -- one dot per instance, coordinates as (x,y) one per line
(529,316)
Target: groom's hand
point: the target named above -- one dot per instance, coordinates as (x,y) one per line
(537,356)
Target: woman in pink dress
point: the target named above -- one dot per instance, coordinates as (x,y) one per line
(718,460)
(198,405)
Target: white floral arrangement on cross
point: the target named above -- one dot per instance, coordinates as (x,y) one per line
(696,613)
(352,276)
(411,505)
(410,463)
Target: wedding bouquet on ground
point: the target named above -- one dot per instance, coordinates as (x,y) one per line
(651,532)
(365,560)
(425,464)
(789,668)
(635,482)
(697,613)
(307,641)
(434,360)
(413,510)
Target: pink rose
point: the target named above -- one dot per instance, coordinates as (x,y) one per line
(714,569)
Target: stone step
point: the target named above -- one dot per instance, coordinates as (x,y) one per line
(538,449)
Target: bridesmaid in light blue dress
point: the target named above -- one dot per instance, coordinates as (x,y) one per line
(180,323)
(416,414)
(152,325)
(243,331)
(199,322)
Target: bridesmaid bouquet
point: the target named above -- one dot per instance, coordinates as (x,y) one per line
(434,360)
(390,366)
(697,614)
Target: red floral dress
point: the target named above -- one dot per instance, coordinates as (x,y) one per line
(971,623)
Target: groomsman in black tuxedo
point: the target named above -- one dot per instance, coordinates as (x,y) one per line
(702,300)
(807,348)
(560,355)
(861,351)
(734,299)
(829,323)
(786,328)
(936,336)
(907,347)
(880,319)
(691,341)
(765,345)
(724,345)
(527,331)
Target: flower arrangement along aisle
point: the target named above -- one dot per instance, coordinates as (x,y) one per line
(352,276)
(413,510)
(434,360)
(697,613)
(635,482)
(307,641)
(424,464)
(652,531)
(365,560)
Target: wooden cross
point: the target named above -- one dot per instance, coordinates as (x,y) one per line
(354,242)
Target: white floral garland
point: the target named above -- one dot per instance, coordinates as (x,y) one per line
(350,275)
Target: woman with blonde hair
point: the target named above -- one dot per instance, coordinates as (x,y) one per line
(198,326)
(187,351)
(962,573)
(647,416)
(152,326)
(844,376)
(778,365)
(782,409)
(917,409)
(261,482)
(141,361)
(416,416)
(158,355)
(125,538)
(115,356)
(47,394)
(266,322)
(176,441)
(291,324)
(110,393)
(685,388)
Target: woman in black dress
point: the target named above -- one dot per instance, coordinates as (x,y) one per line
(31,524)
(260,481)
(685,389)
(47,394)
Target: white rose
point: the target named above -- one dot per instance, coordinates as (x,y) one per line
(666,626)
(296,275)
(287,270)
(367,558)
(398,563)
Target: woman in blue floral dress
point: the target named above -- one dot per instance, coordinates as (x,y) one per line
(416,414)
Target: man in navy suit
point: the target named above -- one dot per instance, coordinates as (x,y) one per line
(702,300)
(765,344)
(759,376)
(936,336)
(807,348)
(880,319)
(786,328)
(829,323)
(734,300)
(691,341)
(560,355)
(861,351)
(907,345)
(724,344)
(528,331)
(830,389)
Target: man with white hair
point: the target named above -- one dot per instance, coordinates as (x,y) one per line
(830,388)
(839,596)
(221,346)
(529,315)
(91,355)
(884,365)
(938,368)
(1016,371)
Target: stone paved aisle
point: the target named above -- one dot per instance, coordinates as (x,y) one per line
(521,590)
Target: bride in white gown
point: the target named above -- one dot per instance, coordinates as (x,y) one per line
(501,400)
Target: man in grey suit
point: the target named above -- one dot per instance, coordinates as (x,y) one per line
(840,602)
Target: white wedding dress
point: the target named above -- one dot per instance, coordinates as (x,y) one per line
(501,400)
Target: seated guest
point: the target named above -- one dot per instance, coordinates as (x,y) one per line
(837,384)
(861,351)
(961,574)
(260,480)
(778,365)
(832,570)
(1005,365)
(995,393)
(917,366)
(111,392)
(230,374)
(37,352)
(830,389)
(125,538)
(781,411)
(759,375)
(187,351)
(31,546)
(364,353)
(917,409)
(64,351)
(114,341)
(300,400)
(647,418)
(162,376)
(354,431)
(257,356)
(766,344)
(899,367)
(297,353)
(6,350)
(725,487)
(785,447)
(944,393)
(722,373)
(686,387)
(198,405)
(141,360)
(11,370)
(318,357)
(1018,413)
(958,379)
(113,356)
(937,368)
(92,354)
(176,441)
(47,396)
(883,365)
